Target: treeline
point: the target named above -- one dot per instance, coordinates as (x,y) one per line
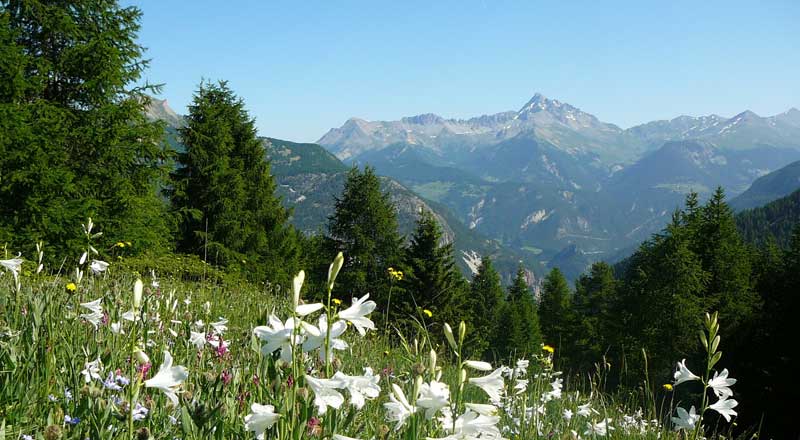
(651,305)
(773,222)
(75,143)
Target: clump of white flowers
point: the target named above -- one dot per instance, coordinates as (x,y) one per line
(719,385)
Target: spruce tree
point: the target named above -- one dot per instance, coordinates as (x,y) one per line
(364,227)
(554,309)
(74,141)
(484,304)
(525,335)
(223,192)
(431,280)
(725,257)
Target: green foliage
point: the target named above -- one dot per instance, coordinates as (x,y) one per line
(555,309)
(518,333)
(484,307)
(431,280)
(74,141)
(773,221)
(223,193)
(364,227)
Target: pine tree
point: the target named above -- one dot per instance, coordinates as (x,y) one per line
(554,309)
(74,141)
(484,304)
(431,280)
(224,194)
(364,227)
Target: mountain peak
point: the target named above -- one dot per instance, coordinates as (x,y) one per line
(424,119)
(747,114)
(539,103)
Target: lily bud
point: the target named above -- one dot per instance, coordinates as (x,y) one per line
(463,376)
(207,307)
(448,333)
(478,365)
(334,268)
(141,356)
(297,285)
(137,293)
(462,331)
(433,361)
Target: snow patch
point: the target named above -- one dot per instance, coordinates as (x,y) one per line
(535,217)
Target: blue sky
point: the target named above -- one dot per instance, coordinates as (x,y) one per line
(306,66)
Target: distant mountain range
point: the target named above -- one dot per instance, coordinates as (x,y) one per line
(548,185)
(553,181)
(769,187)
(309,178)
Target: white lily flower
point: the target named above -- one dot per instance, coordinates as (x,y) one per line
(683,374)
(492,384)
(600,428)
(261,418)
(343,437)
(686,420)
(198,339)
(278,335)
(482,408)
(721,384)
(398,409)
(356,314)
(478,365)
(116,328)
(432,397)
(555,392)
(98,266)
(585,410)
(13,265)
(567,414)
(168,378)
(360,387)
(92,370)
(471,425)
(94,306)
(724,407)
(220,326)
(325,393)
(315,337)
(96,315)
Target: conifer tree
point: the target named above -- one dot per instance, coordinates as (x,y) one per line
(554,309)
(525,337)
(431,280)
(484,304)
(724,256)
(594,323)
(224,194)
(74,141)
(364,227)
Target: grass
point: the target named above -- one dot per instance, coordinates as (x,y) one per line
(45,345)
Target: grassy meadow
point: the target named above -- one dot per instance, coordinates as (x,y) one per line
(86,356)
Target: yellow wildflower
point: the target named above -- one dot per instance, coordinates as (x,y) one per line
(667,387)
(337,301)
(548,349)
(120,244)
(427,313)
(71,287)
